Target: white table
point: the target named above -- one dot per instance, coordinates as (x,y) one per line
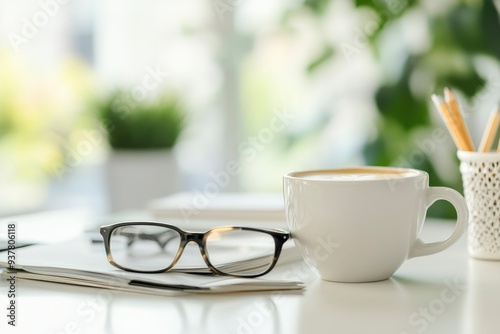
(444,293)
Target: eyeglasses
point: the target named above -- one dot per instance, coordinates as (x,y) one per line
(152,247)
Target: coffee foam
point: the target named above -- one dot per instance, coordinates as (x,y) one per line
(355,174)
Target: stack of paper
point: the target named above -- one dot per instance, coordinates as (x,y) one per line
(83,263)
(197,206)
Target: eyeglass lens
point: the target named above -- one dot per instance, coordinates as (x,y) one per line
(144,247)
(228,251)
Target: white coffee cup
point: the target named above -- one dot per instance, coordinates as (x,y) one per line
(361,224)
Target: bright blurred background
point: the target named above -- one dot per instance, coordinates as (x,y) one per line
(267,86)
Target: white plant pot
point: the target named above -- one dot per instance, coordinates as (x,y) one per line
(136,177)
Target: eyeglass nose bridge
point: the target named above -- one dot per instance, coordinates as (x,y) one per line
(194,237)
(198,239)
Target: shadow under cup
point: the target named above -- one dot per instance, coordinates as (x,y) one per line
(361,224)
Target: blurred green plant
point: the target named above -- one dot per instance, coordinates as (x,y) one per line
(459,33)
(141,125)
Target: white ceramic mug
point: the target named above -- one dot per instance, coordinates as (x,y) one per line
(361,224)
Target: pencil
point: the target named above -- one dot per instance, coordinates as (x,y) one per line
(451,100)
(490,132)
(450,122)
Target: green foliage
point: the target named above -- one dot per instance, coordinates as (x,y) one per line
(317,6)
(133,125)
(324,57)
(490,27)
(5,120)
(397,103)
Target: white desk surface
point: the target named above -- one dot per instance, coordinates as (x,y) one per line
(444,293)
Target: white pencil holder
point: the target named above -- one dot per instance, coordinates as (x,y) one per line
(481,181)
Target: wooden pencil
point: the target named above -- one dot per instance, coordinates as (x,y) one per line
(490,132)
(452,102)
(450,121)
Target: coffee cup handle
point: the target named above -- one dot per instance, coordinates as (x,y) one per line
(420,248)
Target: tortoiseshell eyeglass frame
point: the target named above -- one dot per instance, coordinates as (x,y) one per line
(200,238)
